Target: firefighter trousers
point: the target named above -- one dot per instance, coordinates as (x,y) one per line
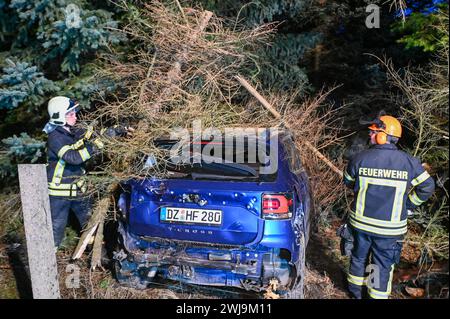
(60,209)
(375,273)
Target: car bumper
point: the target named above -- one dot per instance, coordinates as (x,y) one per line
(204,264)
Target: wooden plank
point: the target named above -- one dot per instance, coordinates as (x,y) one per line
(97,218)
(96,260)
(38,231)
(102,208)
(85,239)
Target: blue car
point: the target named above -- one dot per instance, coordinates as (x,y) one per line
(230,223)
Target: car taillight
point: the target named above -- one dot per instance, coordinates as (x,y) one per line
(277,206)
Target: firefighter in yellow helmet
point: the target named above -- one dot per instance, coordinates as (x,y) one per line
(386,183)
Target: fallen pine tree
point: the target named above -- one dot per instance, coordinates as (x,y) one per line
(190,66)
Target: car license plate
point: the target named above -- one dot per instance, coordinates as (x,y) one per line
(189,215)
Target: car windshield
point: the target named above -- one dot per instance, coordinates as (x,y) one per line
(207,160)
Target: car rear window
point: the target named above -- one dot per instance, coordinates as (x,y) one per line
(220,161)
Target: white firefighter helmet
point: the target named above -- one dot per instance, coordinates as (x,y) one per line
(58,107)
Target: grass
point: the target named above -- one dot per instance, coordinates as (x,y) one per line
(11,225)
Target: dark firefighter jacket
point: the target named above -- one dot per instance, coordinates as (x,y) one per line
(386,182)
(67,153)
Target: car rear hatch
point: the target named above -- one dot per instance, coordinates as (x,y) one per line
(206,203)
(209,212)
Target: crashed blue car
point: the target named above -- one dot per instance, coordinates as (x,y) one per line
(229,223)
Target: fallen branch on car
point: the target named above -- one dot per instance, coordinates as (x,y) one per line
(277,115)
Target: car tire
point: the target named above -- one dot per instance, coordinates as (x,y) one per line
(297,291)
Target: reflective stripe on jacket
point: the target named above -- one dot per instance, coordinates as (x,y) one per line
(386,181)
(67,152)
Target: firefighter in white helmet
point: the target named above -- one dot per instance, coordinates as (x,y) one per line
(68,149)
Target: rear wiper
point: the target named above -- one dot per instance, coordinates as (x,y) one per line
(214,176)
(174,174)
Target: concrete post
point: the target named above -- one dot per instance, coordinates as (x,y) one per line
(38,230)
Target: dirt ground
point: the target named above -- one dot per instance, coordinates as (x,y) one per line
(325,278)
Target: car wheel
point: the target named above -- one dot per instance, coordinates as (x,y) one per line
(298,289)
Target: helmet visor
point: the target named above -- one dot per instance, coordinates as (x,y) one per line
(74,106)
(374,125)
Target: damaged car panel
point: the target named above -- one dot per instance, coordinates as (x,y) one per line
(239,229)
